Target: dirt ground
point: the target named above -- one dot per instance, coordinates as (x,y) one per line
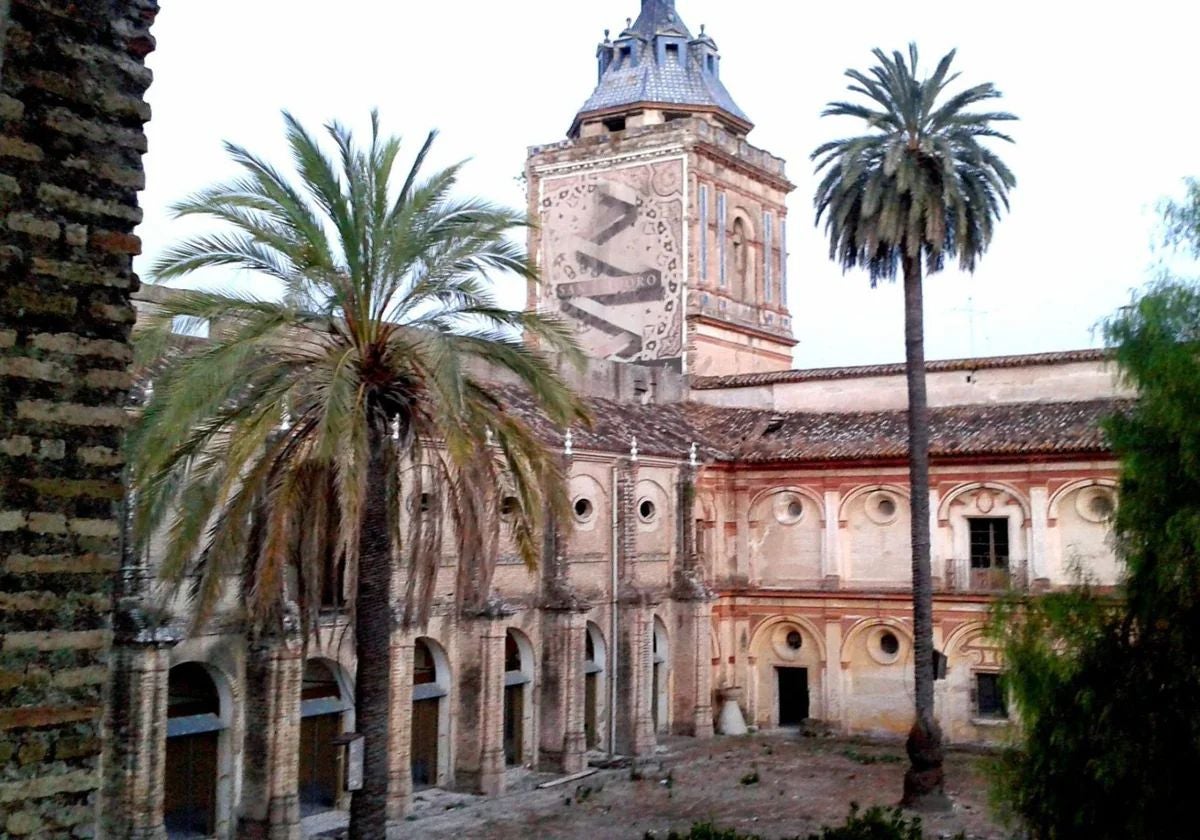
(802,784)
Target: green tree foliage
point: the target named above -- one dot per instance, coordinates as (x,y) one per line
(1108,687)
(292,439)
(920,186)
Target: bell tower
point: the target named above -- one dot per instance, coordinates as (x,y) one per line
(661,230)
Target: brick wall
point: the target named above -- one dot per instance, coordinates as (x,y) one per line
(71,115)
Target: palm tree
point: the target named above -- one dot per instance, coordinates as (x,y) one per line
(916,188)
(376,370)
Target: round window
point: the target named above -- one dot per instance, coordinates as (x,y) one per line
(1101,506)
(509,506)
(882,507)
(583,509)
(789,508)
(1096,504)
(889,644)
(794,639)
(646,510)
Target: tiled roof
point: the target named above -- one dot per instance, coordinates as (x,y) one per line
(758,436)
(743,380)
(956,431)
(665,430)
(647,78)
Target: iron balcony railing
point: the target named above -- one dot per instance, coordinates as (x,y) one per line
(966,575)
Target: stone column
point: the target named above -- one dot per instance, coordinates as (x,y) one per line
(1039,512)
(481,703)
(833,713)
(635,728)
(136,745)
(692,651)
(399,798)
(831,560)
(635,628)
(692,666)
(937,557)
(563,741)
(71,114)
(270,806)
(561,738)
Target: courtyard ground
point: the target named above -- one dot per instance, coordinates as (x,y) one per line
(775,785)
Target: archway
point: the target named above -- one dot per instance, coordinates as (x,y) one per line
(430,720)
(786,683)
(594,675)
(324,702)
(660,705)
(518,697)
(196,719)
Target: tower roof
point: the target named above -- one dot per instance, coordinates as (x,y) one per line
(656,60)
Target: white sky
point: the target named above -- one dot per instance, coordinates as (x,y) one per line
(1106,94)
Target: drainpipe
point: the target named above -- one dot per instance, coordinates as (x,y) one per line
(613,643)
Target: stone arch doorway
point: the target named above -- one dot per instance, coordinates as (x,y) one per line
(325,704)
(785,685)
(595,684)
(518,698)
(430,714)
(660,674)
(196,723)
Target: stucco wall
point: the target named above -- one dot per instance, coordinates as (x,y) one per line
(1067,382)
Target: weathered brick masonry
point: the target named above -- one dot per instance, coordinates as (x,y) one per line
(71,141)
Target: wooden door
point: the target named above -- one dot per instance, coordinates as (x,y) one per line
(425,720)
(514,723)
(190,792)
(590,728)
(319,763)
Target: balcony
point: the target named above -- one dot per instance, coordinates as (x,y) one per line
(965,575)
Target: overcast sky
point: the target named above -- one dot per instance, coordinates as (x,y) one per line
(1106,94)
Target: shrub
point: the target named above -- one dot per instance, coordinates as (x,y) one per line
(875,823)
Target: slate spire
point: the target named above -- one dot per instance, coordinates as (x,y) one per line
(656,61)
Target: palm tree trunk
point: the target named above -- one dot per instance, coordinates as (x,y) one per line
(923,783)
(373,627)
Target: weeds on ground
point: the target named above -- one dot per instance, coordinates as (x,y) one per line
(875,823)
(871,758)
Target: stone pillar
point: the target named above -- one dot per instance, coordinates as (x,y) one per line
(136,749)
(691,656)
(563,741)
(71,115)
(561,738)
(1039,513)
(692,651)
(831,560)
(635,728)
(937,557)
(399,798)
(635,628)
(833,713)
(270,806)
(481,704)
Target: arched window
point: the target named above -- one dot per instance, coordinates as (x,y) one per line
(518,697)
(739,256)
(659,699)
(195,721)
(594,675)
(430,714)
(324,703)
